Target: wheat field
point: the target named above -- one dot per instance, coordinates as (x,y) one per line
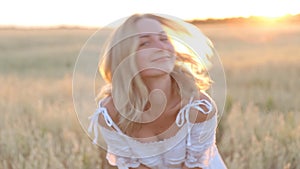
(259,128)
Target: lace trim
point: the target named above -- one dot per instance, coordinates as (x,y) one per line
(200,159)
(122,162)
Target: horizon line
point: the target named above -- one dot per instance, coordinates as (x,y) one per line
(209,20)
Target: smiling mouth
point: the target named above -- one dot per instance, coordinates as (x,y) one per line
(162,58)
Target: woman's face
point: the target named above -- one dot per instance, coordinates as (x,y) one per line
(155,53)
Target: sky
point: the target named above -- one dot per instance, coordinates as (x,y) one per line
(103,12)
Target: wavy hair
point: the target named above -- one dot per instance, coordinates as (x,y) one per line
(118,68)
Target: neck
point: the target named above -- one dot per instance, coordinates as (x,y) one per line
(161,83)
(160,98)
(162,92)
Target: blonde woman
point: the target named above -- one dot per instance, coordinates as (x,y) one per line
(154,112)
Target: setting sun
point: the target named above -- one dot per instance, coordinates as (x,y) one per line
(269,20)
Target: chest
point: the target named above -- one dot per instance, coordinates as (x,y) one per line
(162,128)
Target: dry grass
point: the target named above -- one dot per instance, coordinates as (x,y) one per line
(260,128)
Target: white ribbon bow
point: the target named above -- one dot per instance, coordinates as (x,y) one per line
(184,113)
(94,121)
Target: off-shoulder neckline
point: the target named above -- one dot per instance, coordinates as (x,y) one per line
(179,133)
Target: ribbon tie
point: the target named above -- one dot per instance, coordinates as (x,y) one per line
(94,121)
(184,113)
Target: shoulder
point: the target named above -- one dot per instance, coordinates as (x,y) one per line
(108,104)
(204,108)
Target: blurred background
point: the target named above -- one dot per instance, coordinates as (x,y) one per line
(257,41)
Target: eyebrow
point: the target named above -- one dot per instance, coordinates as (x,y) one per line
(147,35)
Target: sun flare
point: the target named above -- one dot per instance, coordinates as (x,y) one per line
(270,19)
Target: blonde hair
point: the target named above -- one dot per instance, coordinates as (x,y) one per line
(125,86)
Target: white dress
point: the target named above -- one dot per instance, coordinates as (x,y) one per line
(193,144)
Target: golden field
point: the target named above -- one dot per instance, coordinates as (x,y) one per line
(260,127)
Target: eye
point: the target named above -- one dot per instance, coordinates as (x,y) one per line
(144,44)
(164,38)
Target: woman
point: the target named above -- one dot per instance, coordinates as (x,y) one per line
(154,112)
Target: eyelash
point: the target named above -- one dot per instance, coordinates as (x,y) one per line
(143,44)
(162,39)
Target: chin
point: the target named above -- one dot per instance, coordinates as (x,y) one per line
(156,72)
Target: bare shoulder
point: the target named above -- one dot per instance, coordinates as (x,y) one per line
(208,107)
(111,110)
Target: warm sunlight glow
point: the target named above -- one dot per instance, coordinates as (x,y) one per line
(272,20)
(272,13)
(267,20)
(101,13)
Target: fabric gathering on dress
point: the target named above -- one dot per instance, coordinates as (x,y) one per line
(193,144)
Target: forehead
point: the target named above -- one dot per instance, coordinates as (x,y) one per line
(147,25)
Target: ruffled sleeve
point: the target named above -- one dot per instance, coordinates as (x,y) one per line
(202,146)
(119,153)
(122,162)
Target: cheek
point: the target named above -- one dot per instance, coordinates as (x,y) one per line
(141,60)
(171,48)
(140,63)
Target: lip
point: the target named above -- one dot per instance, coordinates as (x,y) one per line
(161,58)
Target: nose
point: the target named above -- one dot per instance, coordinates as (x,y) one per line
(159,44)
